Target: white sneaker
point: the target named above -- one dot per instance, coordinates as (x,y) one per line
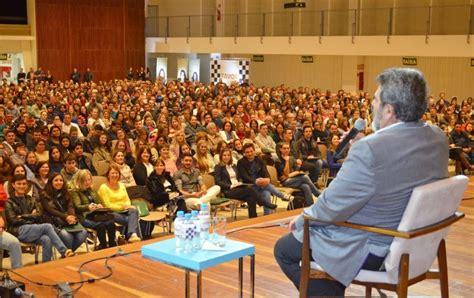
(134,238)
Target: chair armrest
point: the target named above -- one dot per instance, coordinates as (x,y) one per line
(390,232)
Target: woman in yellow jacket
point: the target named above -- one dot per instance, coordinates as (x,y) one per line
(113,195)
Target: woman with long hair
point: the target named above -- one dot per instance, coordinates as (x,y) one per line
(40,151)
(226,177)
(237,152)
(240,130)
(55,160)
(185,149)
(334,164)
(176,143)
(143,168)
(65,145)
(86,200)
(120,145)
(30,164)
(101,157)
(163,189)
(228,134)
(113,195)
(59,211)
(167,159)
(42,175)
(205,161)
(126,176)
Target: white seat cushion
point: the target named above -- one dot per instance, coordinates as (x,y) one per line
(364,275)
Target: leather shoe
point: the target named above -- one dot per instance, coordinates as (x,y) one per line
(270,206)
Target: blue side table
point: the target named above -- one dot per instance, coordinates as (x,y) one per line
(165,252)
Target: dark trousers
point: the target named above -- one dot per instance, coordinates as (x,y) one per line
(288,255)
(247,194)
(103,229)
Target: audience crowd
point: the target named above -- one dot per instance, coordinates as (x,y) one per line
(161,141)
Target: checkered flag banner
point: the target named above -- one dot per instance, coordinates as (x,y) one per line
(215,71)
(230,70)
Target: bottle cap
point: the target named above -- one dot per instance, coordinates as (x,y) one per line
(204,207)
(180,213)
(194,212)
(187,216)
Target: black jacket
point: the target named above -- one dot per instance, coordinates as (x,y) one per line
(222,177)
(18,212)
(155,185)
(139,174)
(243,170)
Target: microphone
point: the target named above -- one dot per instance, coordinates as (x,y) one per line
(20,293)
(358,126)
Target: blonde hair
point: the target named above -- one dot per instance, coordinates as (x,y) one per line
(78,182)
(202,160)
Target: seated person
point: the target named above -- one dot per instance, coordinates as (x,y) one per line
(126,176)
(253,171)
(372,188)
(113,195)
(10,243)
(59,211)
(70,168)
(86,200)
(287,166)
(101,157)
(190,184)
(23,214)
(309,153)
(83,162)
(334,164)
(226,177)
(163,189)
(143,168)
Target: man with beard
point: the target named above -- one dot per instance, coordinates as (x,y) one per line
(372,188)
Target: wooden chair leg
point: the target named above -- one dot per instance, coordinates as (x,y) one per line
(402,287)
(443,269)
(368,291)
(305,263)
(36,252)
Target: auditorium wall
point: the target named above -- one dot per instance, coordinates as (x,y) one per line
(453,75)
(21,39)
(106,35)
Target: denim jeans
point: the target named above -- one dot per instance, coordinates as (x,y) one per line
(11,243)
(266,192)
(103,229)
(128,219)
(44,235)
(303,183)
(73,240)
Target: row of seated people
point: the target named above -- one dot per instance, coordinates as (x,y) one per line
(60,215)
(63,206)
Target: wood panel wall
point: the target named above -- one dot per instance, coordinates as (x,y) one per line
(107,36)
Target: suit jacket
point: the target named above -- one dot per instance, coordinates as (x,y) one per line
(222,177)
(373,187)
(243,170)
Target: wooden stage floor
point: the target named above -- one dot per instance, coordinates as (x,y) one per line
(134,276)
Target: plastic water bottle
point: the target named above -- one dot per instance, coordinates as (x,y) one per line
(197,230)
(204,222)
(178,231)
(188,233)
